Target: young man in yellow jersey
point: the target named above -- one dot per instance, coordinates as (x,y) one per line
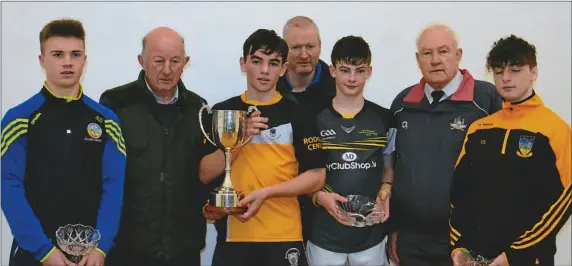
(285,142)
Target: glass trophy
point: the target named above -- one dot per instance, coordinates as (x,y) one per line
(77,240)
(361,211)
(468,258)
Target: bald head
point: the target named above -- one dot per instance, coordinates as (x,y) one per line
(163,34)
(303,39)
(163,58)
(440,31)
(300,22)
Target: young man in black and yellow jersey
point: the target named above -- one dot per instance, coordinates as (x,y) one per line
(358,139)
(511,190)
(285,142)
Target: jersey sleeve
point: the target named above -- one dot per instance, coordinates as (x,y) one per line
(113,177)
(24,224)
(307,143)
(388,151)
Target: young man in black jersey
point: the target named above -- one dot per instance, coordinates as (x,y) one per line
(358,138)
(285,143)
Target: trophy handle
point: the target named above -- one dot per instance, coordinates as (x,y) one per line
(205,106)
(251,108)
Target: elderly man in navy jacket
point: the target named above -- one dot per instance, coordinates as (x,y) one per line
(433,117)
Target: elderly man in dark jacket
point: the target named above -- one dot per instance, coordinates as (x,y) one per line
(162,221)
(432,119)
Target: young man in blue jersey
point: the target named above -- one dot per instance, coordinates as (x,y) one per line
(358,138)
(63,158)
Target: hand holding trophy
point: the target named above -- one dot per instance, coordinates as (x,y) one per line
(228,132)
(360,211)
(467,258)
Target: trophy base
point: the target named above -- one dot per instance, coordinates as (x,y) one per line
(72,258)
(225,201)
(225,210)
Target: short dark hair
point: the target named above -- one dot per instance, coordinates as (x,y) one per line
(513,51)
(351,50)
(62,28)
(267,41)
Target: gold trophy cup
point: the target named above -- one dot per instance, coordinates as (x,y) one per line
(228,132)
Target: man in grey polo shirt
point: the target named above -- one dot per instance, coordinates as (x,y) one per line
(432,119)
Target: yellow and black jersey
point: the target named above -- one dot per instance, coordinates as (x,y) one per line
(511,189)
(358,149)
(289,146)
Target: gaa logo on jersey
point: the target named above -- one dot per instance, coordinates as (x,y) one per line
(94,130)
(349,156)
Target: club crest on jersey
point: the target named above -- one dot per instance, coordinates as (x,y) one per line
(292,255)
(272,133)
(94,130)
(458,124)
(525,146)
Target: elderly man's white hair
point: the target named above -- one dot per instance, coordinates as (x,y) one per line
(435,26)
(300,22)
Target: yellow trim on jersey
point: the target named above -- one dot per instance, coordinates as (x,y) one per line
(277,97)
(101,252)
(360,145)
(348,116)
(48,255)
(113,130)
(67,98)
(506,134)
(11,132)
(549,220)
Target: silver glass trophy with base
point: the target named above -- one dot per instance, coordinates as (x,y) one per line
(228,132)
(77,240)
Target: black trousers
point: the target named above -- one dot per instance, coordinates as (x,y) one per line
(20,257)
(259,254)
(118,257)
(423,249)
(307,209)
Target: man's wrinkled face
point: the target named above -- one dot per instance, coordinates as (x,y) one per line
(163,61)
(438,57)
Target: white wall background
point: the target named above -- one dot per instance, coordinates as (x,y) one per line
(214,34)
